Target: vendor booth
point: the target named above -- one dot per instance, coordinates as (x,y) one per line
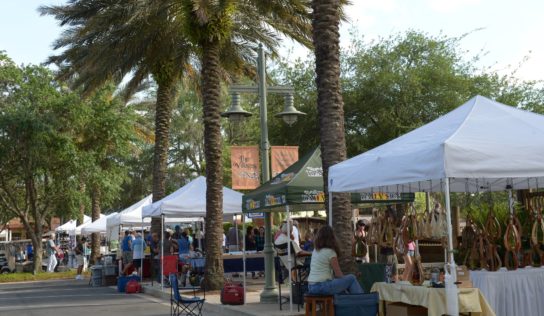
(482,145)
(189,202)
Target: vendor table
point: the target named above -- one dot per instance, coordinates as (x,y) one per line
(234,263)
(471,300)
(512,293)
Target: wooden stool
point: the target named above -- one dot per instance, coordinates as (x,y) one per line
(326,302)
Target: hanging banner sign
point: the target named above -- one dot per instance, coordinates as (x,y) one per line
(255,215)
(244,162)
(282,158)
(376,197)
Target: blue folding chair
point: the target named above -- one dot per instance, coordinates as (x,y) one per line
(180,305)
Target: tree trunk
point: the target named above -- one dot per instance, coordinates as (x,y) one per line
(95,237)
(211,90)
(81,214)
(35,234)
(330,105)
(167,95)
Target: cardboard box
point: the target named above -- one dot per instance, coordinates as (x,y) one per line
(463,276)
(401,309)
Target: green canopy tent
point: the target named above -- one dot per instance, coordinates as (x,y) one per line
(302,184)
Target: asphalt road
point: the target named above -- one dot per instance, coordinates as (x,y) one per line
(71,297)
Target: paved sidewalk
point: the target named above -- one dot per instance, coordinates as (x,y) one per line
(252,307)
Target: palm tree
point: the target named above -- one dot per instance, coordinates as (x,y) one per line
(330,105)
(233,28)
(106,40)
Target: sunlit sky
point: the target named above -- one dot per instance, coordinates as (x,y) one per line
(509,30)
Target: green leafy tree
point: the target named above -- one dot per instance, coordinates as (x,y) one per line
(36,149)
(106,141)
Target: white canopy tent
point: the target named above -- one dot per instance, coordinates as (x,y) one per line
(131,215)
(190,201)
(68,226)
(98,226)
(87,221)
(71,224)
(482,145)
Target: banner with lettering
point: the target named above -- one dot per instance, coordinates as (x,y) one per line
(282,158)
(244,162)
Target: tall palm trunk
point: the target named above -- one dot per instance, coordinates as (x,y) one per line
(95,215)
(330,105)
(167,95)
(211,89)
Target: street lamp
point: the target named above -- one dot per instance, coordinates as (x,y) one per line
(289,115)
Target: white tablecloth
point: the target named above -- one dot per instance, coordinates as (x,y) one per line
(512,293)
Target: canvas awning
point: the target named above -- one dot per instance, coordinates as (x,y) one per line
(132,215)
(98,226)
(482,145)
(190,201)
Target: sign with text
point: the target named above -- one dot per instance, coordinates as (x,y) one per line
(282,158)
(244,162)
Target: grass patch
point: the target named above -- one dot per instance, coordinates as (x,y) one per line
(42,276)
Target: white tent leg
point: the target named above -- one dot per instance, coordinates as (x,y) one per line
(244,254)
(330,208)
(143,254)
(452,300)
(289,263)
(162,252)
(511,202)
(236,226)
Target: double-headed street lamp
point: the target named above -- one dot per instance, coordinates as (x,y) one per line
(289,115)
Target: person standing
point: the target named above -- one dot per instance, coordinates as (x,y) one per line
(360,246)
(326,277)
(409,261)
(51,250)
(80,252)
(296,233)
(233,239)
(138,246)
(259,239)
(126,248)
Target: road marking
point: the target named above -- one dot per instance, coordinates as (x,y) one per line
(61,296)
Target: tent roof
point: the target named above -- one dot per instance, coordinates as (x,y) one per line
(481,145)
(98,226)
(131,215)
(300,183)
(69,225)
(190,201)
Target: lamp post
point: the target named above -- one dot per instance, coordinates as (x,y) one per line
(289,115)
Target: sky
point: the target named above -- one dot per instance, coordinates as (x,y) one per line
(507,31)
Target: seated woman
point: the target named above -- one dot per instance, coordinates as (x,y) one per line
(281,244)
(325,263)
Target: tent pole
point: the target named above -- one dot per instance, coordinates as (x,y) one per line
(448,220)
(143,253)
(452,301)
(330,208)
(289,263)
(236,226)
(244,254)
(162,252)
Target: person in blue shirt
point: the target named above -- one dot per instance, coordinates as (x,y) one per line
(126,248)
(29,252)
(184,244)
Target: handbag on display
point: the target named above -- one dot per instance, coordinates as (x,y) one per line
(232,294)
